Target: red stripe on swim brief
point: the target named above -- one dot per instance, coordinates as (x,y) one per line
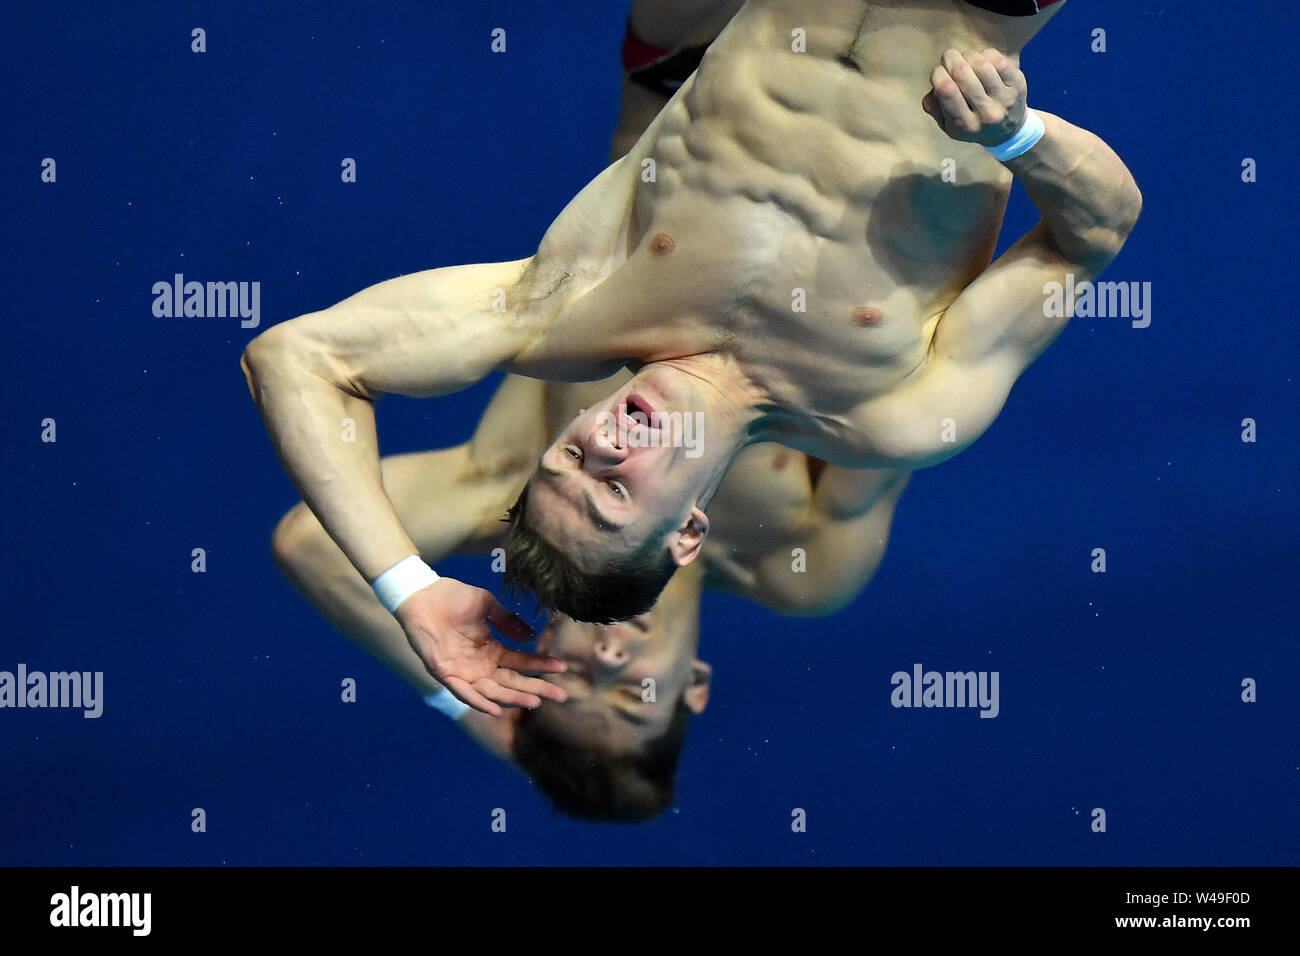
(637,54)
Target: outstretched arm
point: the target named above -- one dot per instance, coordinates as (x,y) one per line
(1000,323)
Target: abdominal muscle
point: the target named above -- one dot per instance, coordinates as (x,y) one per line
(808,211)
(804,217)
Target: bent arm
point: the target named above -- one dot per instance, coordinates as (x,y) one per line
(315,380)
(446,510)
(851,516)
(1003,321)
(428,492)
(450,501)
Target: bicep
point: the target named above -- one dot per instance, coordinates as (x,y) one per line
(827,572)
(841,550)
(427,333)
(1009,313)
(984,341)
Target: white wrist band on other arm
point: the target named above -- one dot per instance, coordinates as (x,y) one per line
(401,581)
(1031,131)
(447,702)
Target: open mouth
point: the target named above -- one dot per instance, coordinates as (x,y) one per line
(636,405)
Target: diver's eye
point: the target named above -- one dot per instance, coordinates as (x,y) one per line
(619,491)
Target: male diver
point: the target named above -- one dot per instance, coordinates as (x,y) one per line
(780,255)
(790,532)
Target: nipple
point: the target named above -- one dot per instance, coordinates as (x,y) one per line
(867,315)
(662,244)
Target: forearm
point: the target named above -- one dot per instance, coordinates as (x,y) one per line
(444,514)
(325,438)
(449,500)
(1087,197)
(322,573)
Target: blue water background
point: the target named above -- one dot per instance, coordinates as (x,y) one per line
(1119,691)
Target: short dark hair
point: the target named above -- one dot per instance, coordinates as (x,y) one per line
(621,590)
(592,784)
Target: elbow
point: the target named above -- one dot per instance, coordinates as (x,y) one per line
(1128,210)
(296,543)
(261,356)
(1103,227)
(1119,225)
(294,352)
(1135,201)
(290,347)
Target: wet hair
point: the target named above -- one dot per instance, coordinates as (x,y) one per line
(592,784)
(625,587)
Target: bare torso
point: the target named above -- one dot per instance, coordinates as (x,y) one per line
(790,209)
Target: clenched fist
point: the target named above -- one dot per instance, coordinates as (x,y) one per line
(977,97)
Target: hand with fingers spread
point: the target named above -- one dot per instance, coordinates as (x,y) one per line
(978,97)
(447,625)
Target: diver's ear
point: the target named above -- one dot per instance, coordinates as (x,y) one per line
(687,540)
(696,697)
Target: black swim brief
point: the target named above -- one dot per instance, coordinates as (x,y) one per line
(1013,8)
(658,70)
(663,71)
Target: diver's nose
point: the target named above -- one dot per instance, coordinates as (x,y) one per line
(606,445)
(611,651)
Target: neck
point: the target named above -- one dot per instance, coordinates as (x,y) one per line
(682,597)
(678,610)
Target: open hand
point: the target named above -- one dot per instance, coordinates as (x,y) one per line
(447,625)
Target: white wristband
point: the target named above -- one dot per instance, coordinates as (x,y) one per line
(401,581)
(1031,131)
(447,702)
